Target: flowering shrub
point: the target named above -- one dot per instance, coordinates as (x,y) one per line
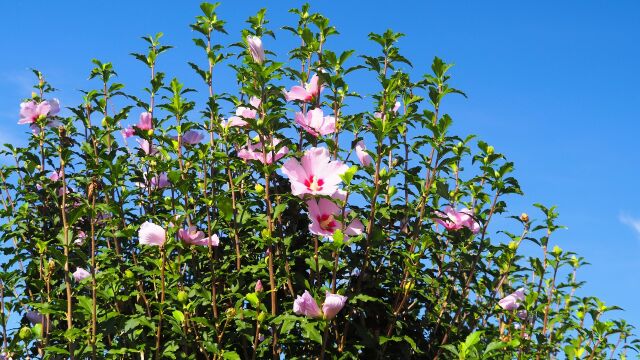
(277,222)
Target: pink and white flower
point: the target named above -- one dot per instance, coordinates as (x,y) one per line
(307,93)
(255,152)
(193,236)
(315,123)
(151,234)
(323,213)
(315,173)
(455,220)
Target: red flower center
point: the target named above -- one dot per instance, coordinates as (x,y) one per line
(314,184)
(327,222)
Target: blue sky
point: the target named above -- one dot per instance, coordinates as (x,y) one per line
(554,85)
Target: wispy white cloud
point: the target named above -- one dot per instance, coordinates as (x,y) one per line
(631,221)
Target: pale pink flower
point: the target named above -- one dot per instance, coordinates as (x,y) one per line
(306,305)
(256,49)
(30,111)
(128,132)
(307,93)
(145,122)
(315,123)
(151,234)
(512,301)
(147,147)
(244,113)
(81,274)
(323,213)
(160,181)
(56,175)
(315,173)
(190,234)
(80,237)
(254,152)
(190,137)
(396,106)
(456,220)
(259,287)
(333,303)
(362,154)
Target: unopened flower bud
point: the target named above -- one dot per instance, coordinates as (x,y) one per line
(183,296)
(513,245)
(392,190)
(557,250)
(231,312)
(128,274)
(524,217)
(150,132)
(490,149)
(262,316)
(259,287)
(25,333)
(51,265)
(259,188)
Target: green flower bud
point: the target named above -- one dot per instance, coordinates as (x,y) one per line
(261,316)
(183,296)
(25,333)
(259,189)
(128,274)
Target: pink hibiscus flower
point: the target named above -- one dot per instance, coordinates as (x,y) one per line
(315,173)
(323,213)
(306,93)
(315,123)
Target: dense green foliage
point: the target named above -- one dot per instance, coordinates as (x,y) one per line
(414,288)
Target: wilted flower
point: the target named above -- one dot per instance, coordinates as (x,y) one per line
(512,301)
(456,220)
(363,156)
(323,213)
(255,48)
(306,93)
(81,274)
(315,123)
(315,173)
(145,122)
(30,111)
(151,234)
(254,152)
